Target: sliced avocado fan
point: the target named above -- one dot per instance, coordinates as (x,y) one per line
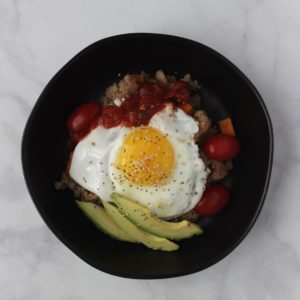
(146,220)
(149,240)
(102,221)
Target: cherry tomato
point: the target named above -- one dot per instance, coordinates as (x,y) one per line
(180,90)
(82,116)
(111,116)
(213,200)
(221,147)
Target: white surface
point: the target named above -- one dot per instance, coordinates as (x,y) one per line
(260,37)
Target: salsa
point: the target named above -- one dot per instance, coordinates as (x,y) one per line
(135,110)
(138,108)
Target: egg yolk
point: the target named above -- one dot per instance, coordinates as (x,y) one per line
(146,157)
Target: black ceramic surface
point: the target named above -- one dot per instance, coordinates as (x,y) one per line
(85,78)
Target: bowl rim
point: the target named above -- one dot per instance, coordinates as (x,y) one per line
(116,38)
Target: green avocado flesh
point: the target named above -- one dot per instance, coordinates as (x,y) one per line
(146,220)
(149,240)
(102,221)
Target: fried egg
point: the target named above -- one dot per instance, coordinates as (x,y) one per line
(157,165)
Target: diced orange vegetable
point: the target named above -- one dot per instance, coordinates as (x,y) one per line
(226,126)
(187,108)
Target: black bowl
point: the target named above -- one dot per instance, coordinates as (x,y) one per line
(85,78)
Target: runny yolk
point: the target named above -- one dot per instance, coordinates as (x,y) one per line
(146,157)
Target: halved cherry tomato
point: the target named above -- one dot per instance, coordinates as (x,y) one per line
(82,116)
(111,116)
(213,200)
(221,147)
(180,90)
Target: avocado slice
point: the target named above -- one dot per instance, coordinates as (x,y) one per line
(147,221)
(102,221)
(149,240)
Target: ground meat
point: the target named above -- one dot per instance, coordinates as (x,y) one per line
(161,77)
(111,93)
(79,192)
(128,85)
(205,159)
(204,123)
(218,169)
(193,83)
(125,87)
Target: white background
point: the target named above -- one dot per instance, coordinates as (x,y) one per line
(261,37)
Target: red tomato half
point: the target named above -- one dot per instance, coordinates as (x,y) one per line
(213,200)
(82,116)
(221,147)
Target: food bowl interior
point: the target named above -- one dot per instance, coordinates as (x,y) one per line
(84,78)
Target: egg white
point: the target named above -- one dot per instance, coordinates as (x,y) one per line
(90,160)
(185,187)
(93,165)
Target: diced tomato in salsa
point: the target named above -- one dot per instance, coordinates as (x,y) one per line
(136,110)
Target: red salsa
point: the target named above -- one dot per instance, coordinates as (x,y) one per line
(150,98)
(136,110)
